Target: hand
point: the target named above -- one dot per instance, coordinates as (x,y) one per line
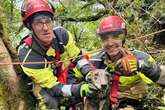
(88,76)
(127,65)
(88,89)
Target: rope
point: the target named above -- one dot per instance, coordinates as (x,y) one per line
(144,36)
(48,62)
(54,62)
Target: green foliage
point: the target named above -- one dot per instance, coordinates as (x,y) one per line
(84,32)
(138,14)
(154,98)
(140,17)
(10,18)
(3,102)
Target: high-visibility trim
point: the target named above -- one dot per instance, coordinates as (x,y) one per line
(66,90)
(81,63)
(71,48)
(43,77)
(26,56)
(78,73)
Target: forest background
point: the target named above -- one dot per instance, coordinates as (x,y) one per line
(145,20)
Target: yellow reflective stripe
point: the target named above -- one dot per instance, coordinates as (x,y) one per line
(51,52)
(151,60)
(43,77)
(41,103)
(127,80)
(71,48)
(77,73)
(84,90)
(145,79)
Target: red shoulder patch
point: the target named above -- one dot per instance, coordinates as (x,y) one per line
(28,41)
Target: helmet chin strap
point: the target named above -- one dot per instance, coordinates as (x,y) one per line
(28,25)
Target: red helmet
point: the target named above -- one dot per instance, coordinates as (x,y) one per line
(33,6)
(111,24)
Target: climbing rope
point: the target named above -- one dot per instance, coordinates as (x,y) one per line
(91,52)
(49,62)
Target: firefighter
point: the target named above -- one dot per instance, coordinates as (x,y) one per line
(132,69)
(44,44)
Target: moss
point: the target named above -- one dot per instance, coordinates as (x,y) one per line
(3,98)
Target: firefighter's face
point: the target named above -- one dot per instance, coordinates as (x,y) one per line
(112,45)
(43,29)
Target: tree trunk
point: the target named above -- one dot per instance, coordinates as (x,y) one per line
(11,95)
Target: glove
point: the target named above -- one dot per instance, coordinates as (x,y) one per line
(88,89)
(88,77)
(127,65)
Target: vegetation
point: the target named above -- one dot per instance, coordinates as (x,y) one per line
(81,17)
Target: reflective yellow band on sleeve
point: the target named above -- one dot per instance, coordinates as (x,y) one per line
(77,73)
(44,77)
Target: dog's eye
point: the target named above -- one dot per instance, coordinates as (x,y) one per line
(95,78)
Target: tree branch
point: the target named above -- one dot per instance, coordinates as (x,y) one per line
(102,2)
(62,4)
(88,18)
(75,35)
(88,4)
(114,2)
(81,34)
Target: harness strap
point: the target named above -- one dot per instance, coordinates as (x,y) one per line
(113,95)
(86,56)
(63,74)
